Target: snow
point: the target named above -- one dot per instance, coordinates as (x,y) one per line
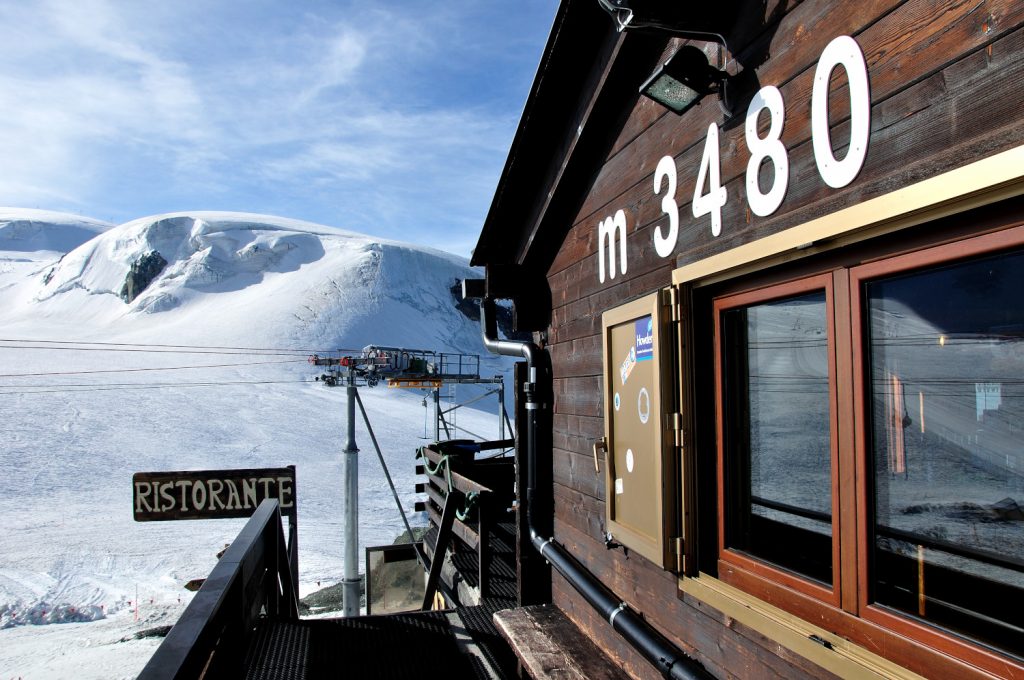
(32,239)
(206,369)
(25,230)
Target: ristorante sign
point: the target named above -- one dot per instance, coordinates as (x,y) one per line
(767,151)
(210,494)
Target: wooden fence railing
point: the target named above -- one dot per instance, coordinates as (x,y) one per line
(455,473)
(253,578)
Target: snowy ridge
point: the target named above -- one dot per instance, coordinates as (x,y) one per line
(24,231)
(271,279)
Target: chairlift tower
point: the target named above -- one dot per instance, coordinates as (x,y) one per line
(401,368)
(350,478)
(406,368)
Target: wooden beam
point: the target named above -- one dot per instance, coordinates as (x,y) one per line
(444,535)
(549,645)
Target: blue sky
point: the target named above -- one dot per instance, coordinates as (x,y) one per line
(392,118)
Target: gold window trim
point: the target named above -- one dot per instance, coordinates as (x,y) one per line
(846,659)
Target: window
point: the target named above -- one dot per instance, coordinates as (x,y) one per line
(944,382)
(777,461)
(870,430)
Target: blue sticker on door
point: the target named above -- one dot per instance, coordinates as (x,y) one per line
(644,328)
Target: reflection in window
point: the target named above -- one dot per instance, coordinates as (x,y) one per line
(947,420)
(777,444)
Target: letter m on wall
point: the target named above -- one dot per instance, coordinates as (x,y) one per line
(610,230)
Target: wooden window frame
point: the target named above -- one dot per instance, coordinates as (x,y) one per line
(846,609)
(731,558)
(937,255)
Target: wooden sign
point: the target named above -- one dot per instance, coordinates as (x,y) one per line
(210,494)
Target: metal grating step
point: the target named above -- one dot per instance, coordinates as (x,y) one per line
(502,571)
(279,650)
(399,646)
(479,623)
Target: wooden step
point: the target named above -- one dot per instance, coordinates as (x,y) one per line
(549,645)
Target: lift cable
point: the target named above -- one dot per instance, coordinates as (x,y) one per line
(387,474)
(159,368)
(107,387)
(157,350)
(146,344)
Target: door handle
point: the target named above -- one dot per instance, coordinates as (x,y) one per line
(599,445)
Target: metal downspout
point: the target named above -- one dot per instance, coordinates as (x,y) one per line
(668,658)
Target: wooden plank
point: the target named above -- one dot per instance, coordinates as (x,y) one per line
(894,79)
(466,533)
(577,444)
(634,578)
(584,428)
(910,43)
(925,130)
(549,645)
(578,396)
(794,49)
(581,280)
(435,495)
(434,517)
(483,548)
(465,484)
(647,273)
(582,512)
(565,597)
(725,647)
(576,357)
(576,472)
(444,533)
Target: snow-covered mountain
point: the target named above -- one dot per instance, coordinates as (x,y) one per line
(30,239)
(99,379)
(24,230)
(249,279)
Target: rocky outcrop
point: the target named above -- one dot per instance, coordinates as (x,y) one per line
(141,274)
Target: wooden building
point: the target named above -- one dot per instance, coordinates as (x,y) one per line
(785,328)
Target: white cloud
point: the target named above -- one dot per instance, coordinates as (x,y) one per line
(340,63)
(137,107)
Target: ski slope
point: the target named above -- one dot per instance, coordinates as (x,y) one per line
(205,369)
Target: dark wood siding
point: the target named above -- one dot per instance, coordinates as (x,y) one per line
(947,88)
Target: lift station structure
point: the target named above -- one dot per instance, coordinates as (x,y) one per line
(415,369)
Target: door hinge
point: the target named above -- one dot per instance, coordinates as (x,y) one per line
(680,559)
(670,298)
(677,429)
